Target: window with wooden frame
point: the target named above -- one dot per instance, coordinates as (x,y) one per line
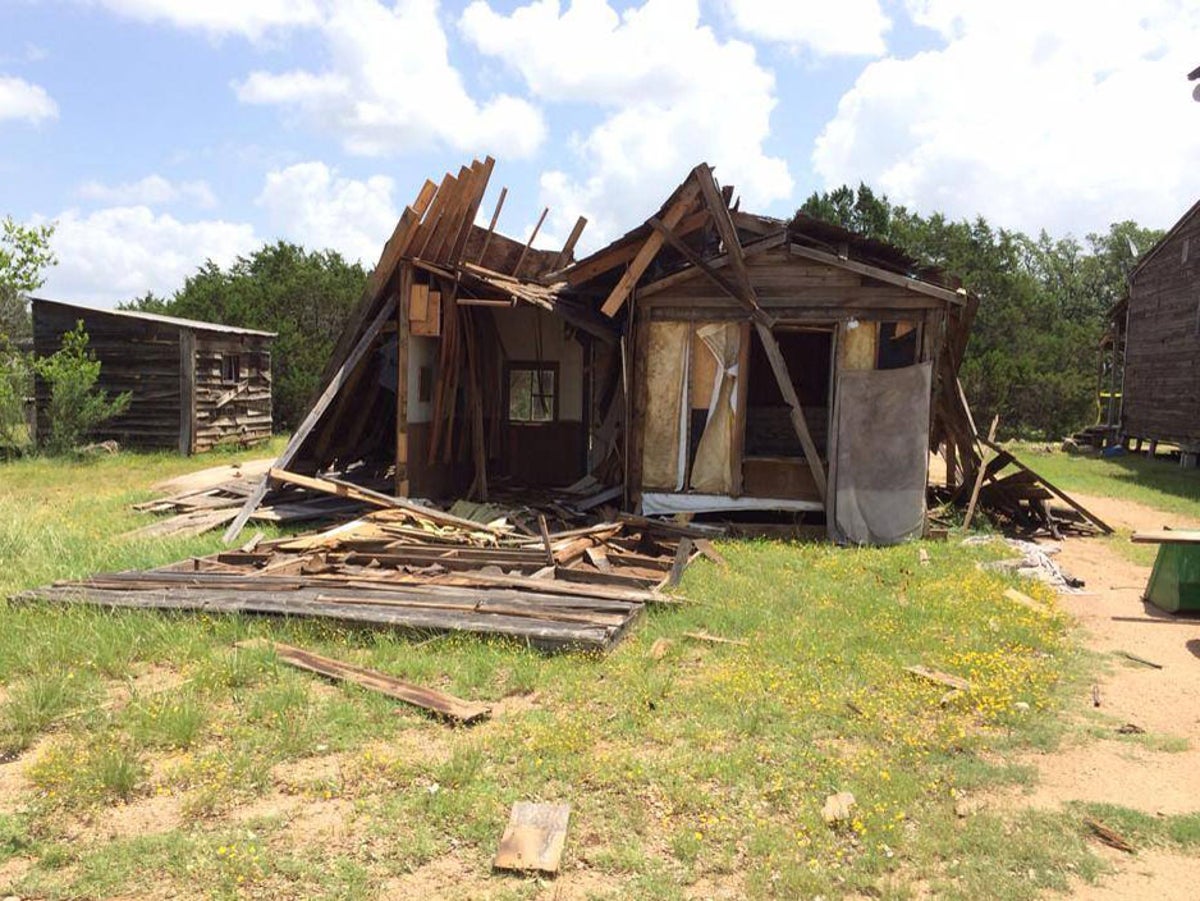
(532,392)
(231,368)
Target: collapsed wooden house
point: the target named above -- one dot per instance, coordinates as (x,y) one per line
(709,361)
(193,385)
(1155,342)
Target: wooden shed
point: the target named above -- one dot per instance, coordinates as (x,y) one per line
(1160,336)
(194,385)
(709,361)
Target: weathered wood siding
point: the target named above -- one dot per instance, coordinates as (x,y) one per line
(231,410)
(138,356)
(1162,350)
(796,291)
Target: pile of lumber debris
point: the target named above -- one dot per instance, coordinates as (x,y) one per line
(416,568)
(1017,499)
(202,501)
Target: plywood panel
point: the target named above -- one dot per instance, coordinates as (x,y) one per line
(666,369)
(857,346)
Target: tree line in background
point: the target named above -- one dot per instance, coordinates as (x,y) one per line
(1032,356)
(304,296)
(1034,348)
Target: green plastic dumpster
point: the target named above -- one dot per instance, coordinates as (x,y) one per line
(1175,582)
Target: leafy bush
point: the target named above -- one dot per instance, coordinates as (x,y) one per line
(16,376)
(76,406)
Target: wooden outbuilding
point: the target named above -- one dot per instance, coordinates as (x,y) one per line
(1158,329)
(193,385)
(709,361)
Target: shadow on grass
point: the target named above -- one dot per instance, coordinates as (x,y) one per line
(1159,474)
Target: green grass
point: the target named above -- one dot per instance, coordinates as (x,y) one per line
(1158,483)
(701,770)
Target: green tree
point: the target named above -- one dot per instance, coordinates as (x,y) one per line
(304,296)
(24,255)
(1043,303)
(76,405)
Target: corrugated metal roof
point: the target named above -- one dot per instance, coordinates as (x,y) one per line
(194,324)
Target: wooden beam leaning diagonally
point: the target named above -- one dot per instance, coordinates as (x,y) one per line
(696,260)
(569,247)
(737,263)
(783,377)
(314,416)
(529,244)
(686,197)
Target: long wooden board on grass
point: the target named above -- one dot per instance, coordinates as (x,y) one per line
(450,707)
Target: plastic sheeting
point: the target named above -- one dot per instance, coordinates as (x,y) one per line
(880,455)
(712,470)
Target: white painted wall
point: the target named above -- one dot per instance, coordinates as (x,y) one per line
(421,352)
(519,330)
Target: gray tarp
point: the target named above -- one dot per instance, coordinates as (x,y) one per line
(879,460)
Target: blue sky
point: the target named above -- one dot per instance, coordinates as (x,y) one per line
(159,133)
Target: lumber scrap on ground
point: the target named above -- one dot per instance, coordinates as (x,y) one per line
(445,705)
(412,567)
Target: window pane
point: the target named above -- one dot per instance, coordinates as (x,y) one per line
(519,394)
(543,408)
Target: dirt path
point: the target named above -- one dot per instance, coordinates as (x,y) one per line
(1165,702)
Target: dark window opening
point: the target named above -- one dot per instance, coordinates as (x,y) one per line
(425,384)
(897,345)
(769,429)
(231,368)
(532,392)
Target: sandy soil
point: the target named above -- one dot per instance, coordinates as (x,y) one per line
(1165,702)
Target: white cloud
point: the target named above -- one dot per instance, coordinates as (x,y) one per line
(248,18)
(153,190)
(671,93)
(119,253)
(21,100)
(1064,115)
(845,28)
(311,204)
(390,86)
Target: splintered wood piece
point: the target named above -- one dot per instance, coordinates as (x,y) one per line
(1095,695)
(715,639)
(705,547)
(659,649)
(452,708)
(923,556)
(958,683)
(1023,599)
(534,838)
(598,557)
(682,554)
(1142,660)
(1110,838)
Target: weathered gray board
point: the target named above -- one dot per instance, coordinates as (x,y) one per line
(545,621)
(880,455)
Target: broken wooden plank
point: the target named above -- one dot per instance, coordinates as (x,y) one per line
(706,548)
(1109,837)
(684,201)
(1023,599)
(450,707)
(947,679)
(1136,659)
(534,838)
(564,255)
(343,372)
(1058,492)
(715,639)
(980,472)
(683,553)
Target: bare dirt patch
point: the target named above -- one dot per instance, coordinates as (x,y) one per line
(147,816)
(1149,874)
(1114,619)
(13,870)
